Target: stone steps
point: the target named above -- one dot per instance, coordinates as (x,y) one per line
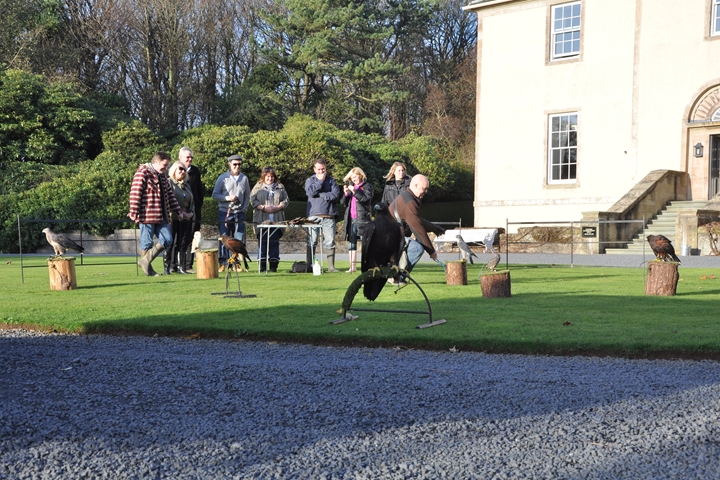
(662,224)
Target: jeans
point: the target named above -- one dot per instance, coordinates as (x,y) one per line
(353,237)
(415,251)
(328,230)
(160,230)
(236,225)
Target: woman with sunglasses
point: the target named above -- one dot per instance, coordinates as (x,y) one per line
(182,231)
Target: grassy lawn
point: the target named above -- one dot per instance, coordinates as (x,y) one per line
(607,309)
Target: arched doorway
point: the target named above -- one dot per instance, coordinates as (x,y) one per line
(702,144)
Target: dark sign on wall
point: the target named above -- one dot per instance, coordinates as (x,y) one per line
(589,232)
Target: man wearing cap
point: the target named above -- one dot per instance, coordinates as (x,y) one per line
(232,192)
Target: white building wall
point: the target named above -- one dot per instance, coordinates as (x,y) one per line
(677,58)
(642,64)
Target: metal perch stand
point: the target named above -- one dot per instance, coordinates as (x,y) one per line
(385,273)
(226,293)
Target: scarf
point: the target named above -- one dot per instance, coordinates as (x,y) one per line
(271,198)
(353,202)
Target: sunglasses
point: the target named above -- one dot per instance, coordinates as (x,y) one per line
(181,169)
(236,164)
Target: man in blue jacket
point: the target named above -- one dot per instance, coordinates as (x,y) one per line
(323,195)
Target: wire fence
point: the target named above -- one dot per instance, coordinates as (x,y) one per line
(571,237)
(82,240)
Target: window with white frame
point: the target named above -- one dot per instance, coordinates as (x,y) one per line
(562,154)
(715,18)
(565,41)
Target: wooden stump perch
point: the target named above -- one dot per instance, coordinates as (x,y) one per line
(62,273)
(662,278)
(206,263)
(495,285)
(456,273)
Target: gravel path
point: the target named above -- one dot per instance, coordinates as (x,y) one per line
(133,407)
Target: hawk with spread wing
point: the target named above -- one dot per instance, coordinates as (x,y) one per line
(465,250)
(382,246)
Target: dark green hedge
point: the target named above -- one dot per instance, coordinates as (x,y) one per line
(99,188)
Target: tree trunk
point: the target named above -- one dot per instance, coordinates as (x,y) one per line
(662,278)
(456,273)
(62,274)
(206,264)
(495,285)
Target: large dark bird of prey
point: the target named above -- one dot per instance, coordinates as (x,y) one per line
(382,246)
(237,248)
(465,250)
(493,262)
(662,248)
(61,243)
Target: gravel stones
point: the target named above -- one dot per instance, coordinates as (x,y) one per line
(134,407)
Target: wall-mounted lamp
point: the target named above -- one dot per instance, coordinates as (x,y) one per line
(698,149)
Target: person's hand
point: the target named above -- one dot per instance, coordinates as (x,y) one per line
(232,198)
(346,189)
(434,255)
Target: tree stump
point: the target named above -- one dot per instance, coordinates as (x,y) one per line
(62,273)
(495,285)
(456,273)
(662,278)
(206,263)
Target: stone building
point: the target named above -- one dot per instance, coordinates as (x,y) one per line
(597,109)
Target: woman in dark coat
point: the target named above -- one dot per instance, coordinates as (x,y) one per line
(357,199)
(397,182)
(175,256)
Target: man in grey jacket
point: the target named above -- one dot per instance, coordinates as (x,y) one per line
(232,192)
(323,195)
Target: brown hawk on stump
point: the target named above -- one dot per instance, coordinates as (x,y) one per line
(662,248)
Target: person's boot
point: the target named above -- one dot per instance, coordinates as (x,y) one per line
(309,258)
(146,261)
(167,263)
(170,262)
(188,262)
(263,265)
(331,261)
(181,263)
(274,265)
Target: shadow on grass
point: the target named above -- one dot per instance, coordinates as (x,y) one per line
(533,324)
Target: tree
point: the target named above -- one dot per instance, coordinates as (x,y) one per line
(338,55)
(29,34)
(43,122)
(256,103)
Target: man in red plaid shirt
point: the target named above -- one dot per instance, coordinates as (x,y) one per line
(151,200)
